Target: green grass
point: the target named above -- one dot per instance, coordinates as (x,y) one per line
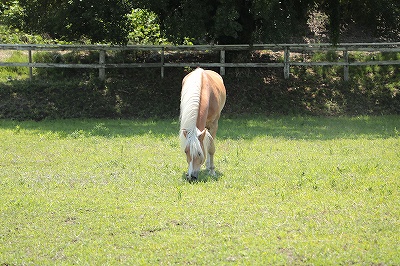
(9,73)
(289,190)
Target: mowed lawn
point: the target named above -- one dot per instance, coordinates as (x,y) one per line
(288,190)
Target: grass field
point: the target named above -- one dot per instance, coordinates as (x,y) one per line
(289,190)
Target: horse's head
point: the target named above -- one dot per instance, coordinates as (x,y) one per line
(194,150)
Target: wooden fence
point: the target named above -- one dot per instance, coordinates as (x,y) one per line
(286,49)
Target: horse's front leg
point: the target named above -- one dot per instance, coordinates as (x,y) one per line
(210,158)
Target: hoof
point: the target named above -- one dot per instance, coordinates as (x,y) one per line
(191,178)
(211,172)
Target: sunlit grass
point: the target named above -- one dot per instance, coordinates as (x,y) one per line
(289,190)
(9,73)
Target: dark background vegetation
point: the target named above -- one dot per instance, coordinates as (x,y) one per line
(141,93)
(222,21)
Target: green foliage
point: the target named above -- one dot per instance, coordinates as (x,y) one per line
(98,21)
(229,21)
(185,19)
(224,21)
(16,36)
(290,190)
(11,13)
(145,28)
(381,17)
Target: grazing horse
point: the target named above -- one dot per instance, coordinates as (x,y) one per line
(202,99)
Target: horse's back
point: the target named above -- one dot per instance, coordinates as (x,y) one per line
(216,86)
(212,100)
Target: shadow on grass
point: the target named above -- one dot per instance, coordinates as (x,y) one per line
(241,127)
(203,177)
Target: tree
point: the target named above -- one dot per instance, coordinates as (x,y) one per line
(144,28)
(219,21)
(381,17)
(96,20)
(229,21)
(266,21)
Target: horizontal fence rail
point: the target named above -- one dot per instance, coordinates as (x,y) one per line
(162,50)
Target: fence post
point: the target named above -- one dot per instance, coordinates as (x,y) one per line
(162,62)
(346,67)
(102,69)
(30,62)
(222,61)
(286,66)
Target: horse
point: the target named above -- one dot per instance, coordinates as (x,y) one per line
(203,97)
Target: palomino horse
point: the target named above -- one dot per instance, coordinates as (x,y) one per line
(202,99)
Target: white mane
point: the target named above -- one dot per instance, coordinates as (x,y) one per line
(190,101)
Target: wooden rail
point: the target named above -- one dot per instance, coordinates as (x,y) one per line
(286,49)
